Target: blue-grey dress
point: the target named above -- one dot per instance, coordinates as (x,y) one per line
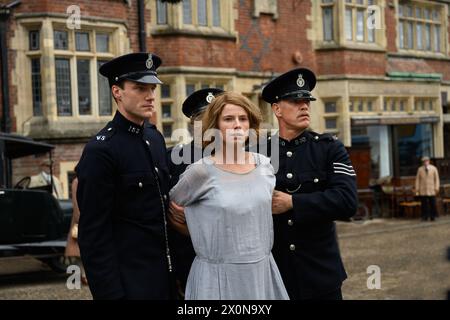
(229,216)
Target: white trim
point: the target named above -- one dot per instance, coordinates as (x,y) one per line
(349,174)
(341,164)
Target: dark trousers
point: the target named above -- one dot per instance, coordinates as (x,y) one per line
(428,207)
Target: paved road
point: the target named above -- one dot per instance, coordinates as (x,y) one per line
(411,256)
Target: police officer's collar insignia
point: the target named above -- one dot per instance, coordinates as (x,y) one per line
(133,129)
(300,80)
(209,97)
(149,62)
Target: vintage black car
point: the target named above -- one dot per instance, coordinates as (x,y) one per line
(32,221)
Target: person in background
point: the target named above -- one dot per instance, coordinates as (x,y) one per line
(427,187)
(72,251)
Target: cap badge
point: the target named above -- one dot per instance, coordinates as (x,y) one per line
(300,81)
(209,97)
(149,62)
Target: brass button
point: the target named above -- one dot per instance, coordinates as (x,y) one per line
(289,154)
(290,222)
(289,175)
(292,247)
(140,184)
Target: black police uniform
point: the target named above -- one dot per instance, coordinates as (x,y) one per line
(316,170)
(180,157)
(123,198)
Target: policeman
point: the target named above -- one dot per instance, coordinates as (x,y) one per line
(315,185)
(179,158)
(123,191)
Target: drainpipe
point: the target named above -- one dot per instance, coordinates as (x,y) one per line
(5,12)
(141,19)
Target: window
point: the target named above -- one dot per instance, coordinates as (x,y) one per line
(79,58)
(34,40)
(82,41)
(331,115)
(356,21)
(166,110)
(395,104)
(216,13)
(202,12)
(187,12)
(104,94)
(102,42)
(61,40)
(167,130)
(165,91)
(161,12)
(63,88)
(330,107)
(363,104)
(424,104)
(84,87)
(36,86)
(167,102)
(327,19)
(190,88)
(202,17)
(351,23)
(331,123)
(419,26)
(64,82)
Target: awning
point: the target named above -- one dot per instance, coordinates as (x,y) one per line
(16,146)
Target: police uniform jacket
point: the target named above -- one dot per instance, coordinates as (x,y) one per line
(316,170)
(122,194)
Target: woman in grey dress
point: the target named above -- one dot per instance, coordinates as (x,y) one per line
(227,199)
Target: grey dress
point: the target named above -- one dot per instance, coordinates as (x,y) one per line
(229,216)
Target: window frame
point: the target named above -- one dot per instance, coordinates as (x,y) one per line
(175,20)
(404,20)
(93,56)
(340,26)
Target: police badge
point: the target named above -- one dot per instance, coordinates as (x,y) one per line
(209,97)
(149,62)
(300,81)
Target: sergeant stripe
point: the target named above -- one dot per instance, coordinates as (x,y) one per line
(341,164)
(344,169)
(343,172)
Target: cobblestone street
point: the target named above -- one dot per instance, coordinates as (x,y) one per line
(411,256)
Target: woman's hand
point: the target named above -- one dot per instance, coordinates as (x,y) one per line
(177,213)
(281,202)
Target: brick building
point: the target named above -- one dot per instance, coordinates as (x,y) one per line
(384,91)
